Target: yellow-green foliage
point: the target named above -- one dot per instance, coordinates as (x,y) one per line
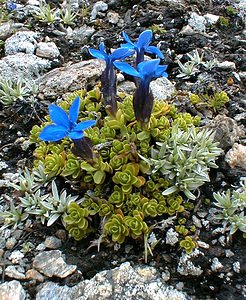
(115,185)
(216,101)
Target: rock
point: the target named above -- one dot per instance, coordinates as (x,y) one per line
(211,19)
(216,265)
(236,157)
(52,242)
(197,22)
(171,237)
(186,266)
(14,272)
(127,87)
(22,65)
(113,17)
(10,243)
(34,275)
(2,243)
(16,256)
(51,263)
(7,29)
(47,50)
(12,290)
(22,41)
(99,6)
(227,132)
(68,79)
(124,282)
(227,65)
(162,88)
(80,35)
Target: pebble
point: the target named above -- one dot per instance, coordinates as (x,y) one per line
(16,256)
(2,243)
(12,290)
(10,243)
(162,88)
(216,265)
(15,272)
(236,156)
(51,263)
(47,50)
(52,242)
(113,17)
(34,274)
(227,65)
(197,22)
(99,6)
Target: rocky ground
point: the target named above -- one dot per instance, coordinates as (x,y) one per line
(39,262)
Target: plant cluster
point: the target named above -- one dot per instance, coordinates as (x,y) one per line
(230,209)
(216,101)
(11,91)
(65,15)
(191,67)
(134,161)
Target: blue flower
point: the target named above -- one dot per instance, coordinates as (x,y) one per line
(142,45)
(65,124)
(118,54)
(108,78)
(11,5)
(143,97)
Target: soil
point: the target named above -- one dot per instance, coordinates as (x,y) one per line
(17,120)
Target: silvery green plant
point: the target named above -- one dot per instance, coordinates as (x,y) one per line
(47,207)
(11,91)
(195,57)
(13,216)
(46,14)
(68,16)
(184,159)
(187,69)
(230,209)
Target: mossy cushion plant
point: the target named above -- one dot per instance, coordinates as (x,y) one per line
(110,150)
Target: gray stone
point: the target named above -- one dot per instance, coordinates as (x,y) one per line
(14,272)
(197,22)
(227,65)
(34,275)
(99,6)
(10,243)
(16,256)
(227,132)
(12,290)
(162,88)
(22,65)
(2,243)
(52,242)
(113,17)
(127,87)
(81,34)
(211,19)
(7,29)
(22,41)
(47,50)
(236,156)
(122,283)
(70,78)
(51,263)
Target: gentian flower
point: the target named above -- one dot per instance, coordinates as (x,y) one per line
(143,97)
(142,45)
(11,5)
(65,124)
(108,78)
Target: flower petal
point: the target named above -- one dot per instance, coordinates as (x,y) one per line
(126,68)
(128,46)
(147,68)
(84,125)
(74,110)
(160,71)
(121,53)
(59,116)
(53,133)
(127,39)
(98,54)
(154,50)
(76,135)
(144,38)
